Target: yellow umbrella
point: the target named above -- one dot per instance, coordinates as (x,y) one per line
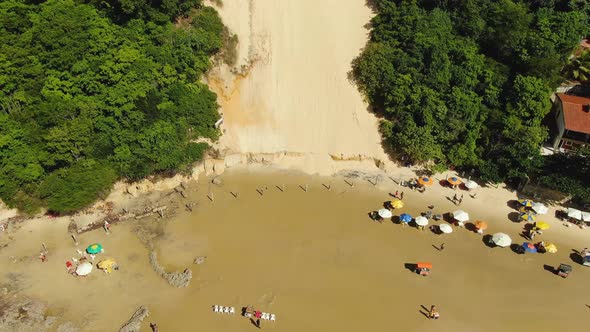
(107,265)
(480,224)
(397,203)
(528,217)
(550,247)
(542,225)
(525,202)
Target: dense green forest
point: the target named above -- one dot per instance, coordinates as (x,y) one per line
(466,83)
(93,91)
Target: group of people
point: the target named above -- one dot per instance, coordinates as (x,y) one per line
(457,200)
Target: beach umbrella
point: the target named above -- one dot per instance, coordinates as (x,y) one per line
(421,221)
(397,203)
(540,208)
(425,181)
(586,216)
(107,265)
(94,248)
(385,213)
(405,218)
(529,247)
(84,269)
(550,247)
(480,224)
(525,202)
(542,225)
(575,214)
(530,217)
(471,184)
(461,216)
(454,181)
(445,228)
(501,240)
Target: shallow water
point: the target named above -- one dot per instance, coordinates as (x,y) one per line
(312,258)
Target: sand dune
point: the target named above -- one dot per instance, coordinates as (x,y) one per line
(295,95)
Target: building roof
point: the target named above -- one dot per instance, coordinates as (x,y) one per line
(576,119)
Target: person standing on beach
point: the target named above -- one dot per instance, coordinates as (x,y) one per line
(396,194)
(433,312)
(442,247)
(401,195)
(154,327)
(107,227)
(42,257)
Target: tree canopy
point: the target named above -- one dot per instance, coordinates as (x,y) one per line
(467,83)
(92,91)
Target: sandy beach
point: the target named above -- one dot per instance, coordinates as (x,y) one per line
(313,258)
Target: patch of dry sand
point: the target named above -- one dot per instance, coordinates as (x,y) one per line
(295,94)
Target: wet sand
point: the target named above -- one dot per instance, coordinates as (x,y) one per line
(313,258)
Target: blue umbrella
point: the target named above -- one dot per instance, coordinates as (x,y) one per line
(529,247)
(405,218)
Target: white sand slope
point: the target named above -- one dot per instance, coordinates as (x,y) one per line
(295,94)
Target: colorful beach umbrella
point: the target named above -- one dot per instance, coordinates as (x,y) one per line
(471,184)
(385,213)
(551,248)
(461,216)
(405,218)
(84,269)
(540,208)
(107,265)
(542,225)
(480,224)
(525,202)
(501,240)
(530,217)
(454,181)
(574,214)
(421,221)
(425,181)
(529,247)
(94,248)
(397,203)
(445,228)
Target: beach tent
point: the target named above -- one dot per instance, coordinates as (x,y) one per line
(397,203)
(94,248)
(540,208)
(526,202)
(530,217)
(542,225)
(574,214)
(454,181)
(405,218)
(471,184)
(445,228)
(421,221)
(425,181)
(501,240)
(84,269)
(461,216)
(480,224)
(107,265)
(550,247)
(385,213)
(586,216)
(529,247)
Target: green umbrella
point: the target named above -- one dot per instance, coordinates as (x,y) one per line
(94,248)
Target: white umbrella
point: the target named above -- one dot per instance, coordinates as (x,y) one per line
(445,228)
(84,269)
(501,240)
(471,184)
(461,216)
(421,221)
(540,208)
(573,213)
(385,213)
(586,216)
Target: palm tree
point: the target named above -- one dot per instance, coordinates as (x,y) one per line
(578,68)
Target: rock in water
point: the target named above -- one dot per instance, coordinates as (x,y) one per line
(134,323)
(200,260)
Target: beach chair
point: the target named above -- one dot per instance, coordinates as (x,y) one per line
(232,310)
(216,308)
(226,310)
(273,317)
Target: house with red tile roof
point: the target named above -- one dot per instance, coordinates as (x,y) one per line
(572,115)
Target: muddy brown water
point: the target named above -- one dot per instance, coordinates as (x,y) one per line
(313,258)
